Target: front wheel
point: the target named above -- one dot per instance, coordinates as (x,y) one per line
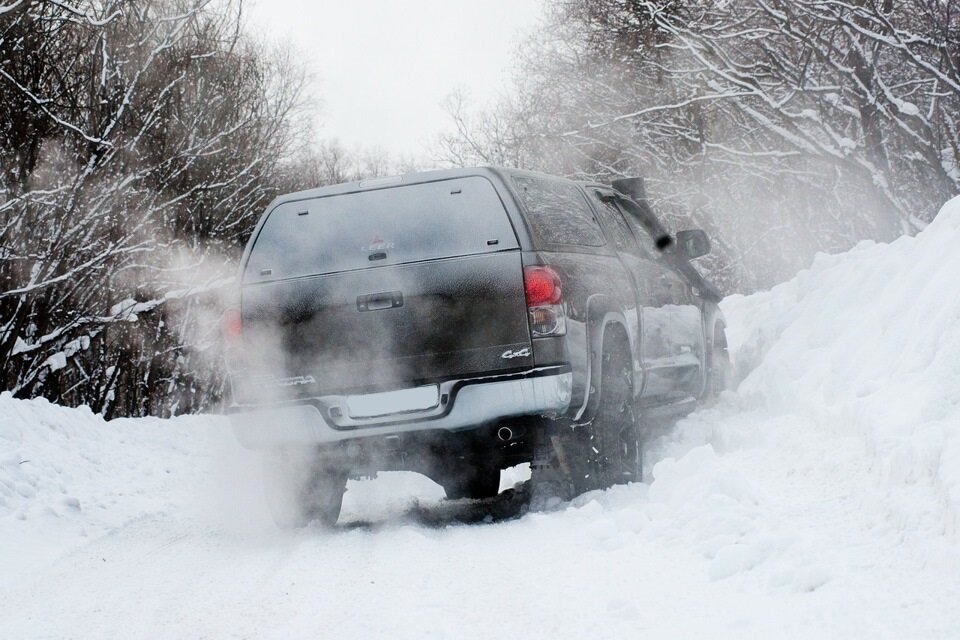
(720,371)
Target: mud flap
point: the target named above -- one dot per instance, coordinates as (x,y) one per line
(551,480)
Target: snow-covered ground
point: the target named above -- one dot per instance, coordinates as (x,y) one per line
(818,500)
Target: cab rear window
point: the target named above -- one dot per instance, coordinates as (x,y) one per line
(458,217)
(557,212)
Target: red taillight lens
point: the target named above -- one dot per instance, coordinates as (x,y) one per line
(542,286)
(544,301)
(231,326)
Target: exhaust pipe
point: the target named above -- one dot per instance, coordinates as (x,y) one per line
(509,434)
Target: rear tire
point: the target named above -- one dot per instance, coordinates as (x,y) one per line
(609,449)
(474,483)
(300,491)
(619,458)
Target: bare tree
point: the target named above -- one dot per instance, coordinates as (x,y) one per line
(784,127)
(139,141)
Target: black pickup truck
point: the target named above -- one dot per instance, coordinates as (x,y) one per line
(459,322)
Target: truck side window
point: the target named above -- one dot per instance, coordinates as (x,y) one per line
(558,212)
(647,244)
(616,227)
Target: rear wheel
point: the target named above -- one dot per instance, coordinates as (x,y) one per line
(300,491)
(616,452)
(474,483)
(608,450)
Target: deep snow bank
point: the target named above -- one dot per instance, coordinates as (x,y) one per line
(56,461)
(66,475)
(867,344)
(848,405)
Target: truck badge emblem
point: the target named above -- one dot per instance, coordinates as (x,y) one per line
(378,244)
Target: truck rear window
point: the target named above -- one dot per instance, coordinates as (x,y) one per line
(458,217)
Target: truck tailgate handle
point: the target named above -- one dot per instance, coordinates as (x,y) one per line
(378,301)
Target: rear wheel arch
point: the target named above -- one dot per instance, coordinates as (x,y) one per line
(611,327)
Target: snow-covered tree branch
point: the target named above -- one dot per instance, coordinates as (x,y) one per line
(139,140)
(830,121)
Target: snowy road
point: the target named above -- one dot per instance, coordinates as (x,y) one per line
(820,499)
(810,561)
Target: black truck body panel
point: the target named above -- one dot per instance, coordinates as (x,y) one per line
(393,326)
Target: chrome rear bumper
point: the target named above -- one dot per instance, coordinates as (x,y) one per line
(468,403)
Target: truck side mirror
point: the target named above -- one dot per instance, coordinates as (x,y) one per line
(693,242)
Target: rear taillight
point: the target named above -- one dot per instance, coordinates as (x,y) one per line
(542,286)
(231,326)
(544,292)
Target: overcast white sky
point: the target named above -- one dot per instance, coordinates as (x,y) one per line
(383,68)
